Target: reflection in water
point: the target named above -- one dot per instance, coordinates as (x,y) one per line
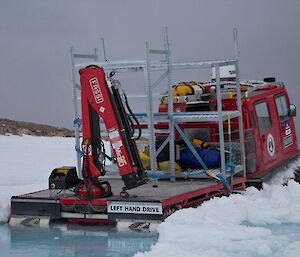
(63,240)
(73,240)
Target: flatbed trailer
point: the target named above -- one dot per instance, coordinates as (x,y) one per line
(145,203)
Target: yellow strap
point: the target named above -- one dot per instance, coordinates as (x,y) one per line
(212,175)
(229,124)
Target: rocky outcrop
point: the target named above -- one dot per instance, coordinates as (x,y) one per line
(12,127)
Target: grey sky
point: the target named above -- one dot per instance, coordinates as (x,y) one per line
(35,80)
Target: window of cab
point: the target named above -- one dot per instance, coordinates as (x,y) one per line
(282,107)
(263,116)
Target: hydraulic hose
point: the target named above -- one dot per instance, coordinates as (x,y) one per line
(134,117)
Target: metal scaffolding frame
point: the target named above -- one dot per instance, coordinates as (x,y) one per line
(147,66)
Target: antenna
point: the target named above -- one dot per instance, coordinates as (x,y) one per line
(103,49)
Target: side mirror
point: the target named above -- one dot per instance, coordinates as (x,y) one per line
(292,110)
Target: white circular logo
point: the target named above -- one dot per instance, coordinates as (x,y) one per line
(271,145)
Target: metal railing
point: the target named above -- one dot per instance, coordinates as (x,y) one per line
(167,67)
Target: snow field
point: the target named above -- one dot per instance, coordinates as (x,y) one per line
(26,163)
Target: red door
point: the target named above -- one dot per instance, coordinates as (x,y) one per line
(286,124)
(267,132)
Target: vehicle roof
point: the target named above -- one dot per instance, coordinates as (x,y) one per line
(266,90)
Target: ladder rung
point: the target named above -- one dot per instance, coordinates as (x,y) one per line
(85,56)
(154,51)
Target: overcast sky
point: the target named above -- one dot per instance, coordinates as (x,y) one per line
(35,78)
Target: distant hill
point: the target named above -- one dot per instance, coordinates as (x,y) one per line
(28,128)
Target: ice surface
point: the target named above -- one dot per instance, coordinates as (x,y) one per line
(238,225)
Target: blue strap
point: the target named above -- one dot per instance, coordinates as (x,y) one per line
(167,175)
(230,167)
(77,121)
(79,151)
(225,182)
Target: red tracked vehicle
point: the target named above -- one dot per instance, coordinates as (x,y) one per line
(270,143)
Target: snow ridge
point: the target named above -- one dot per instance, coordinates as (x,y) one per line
(238,225)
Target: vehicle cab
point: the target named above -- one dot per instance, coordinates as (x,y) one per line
(269,114)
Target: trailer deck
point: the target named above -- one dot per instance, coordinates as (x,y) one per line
(144,203)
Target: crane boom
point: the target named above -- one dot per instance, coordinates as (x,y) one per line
(100,97)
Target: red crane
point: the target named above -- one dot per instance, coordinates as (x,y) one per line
(100,97)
